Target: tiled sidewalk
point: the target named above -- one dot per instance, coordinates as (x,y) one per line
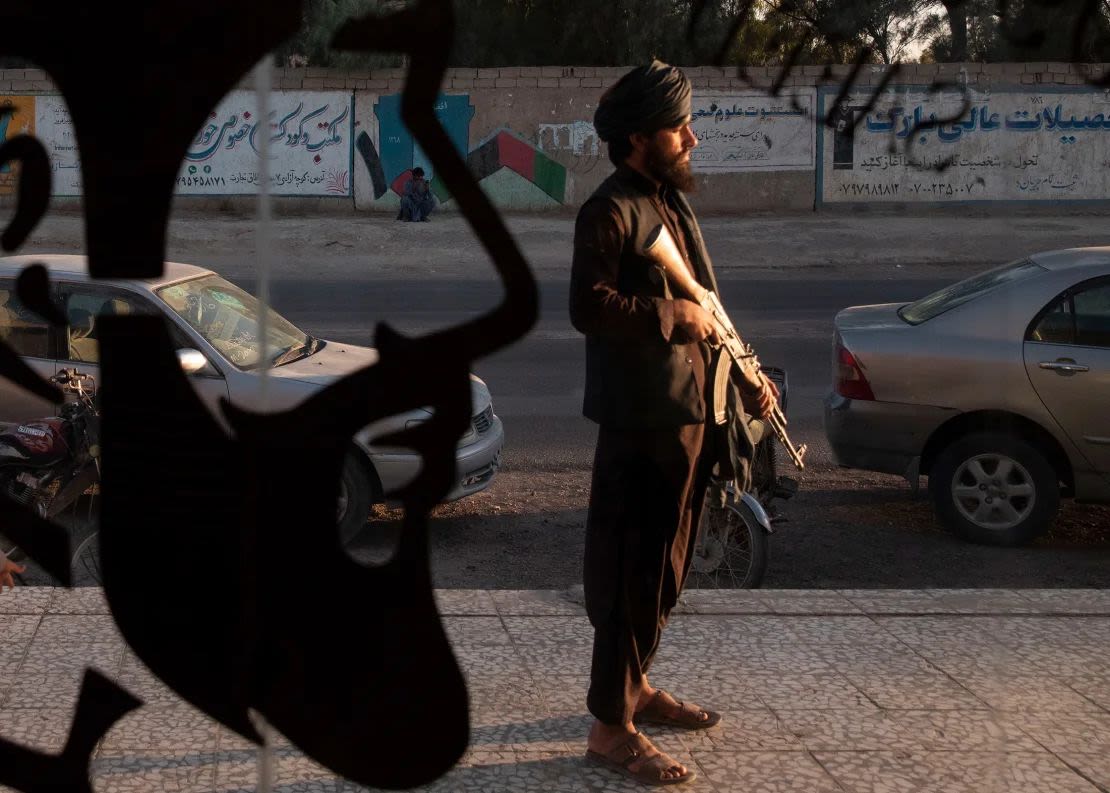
(877,690)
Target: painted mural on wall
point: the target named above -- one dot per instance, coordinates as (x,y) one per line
(1009,145)
(17,117)
(310,145)
(752,131)
(511,170)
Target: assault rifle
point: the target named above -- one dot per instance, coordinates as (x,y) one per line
(660,246)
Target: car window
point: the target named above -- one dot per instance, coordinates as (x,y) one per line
(1057,326)
(1080,317)
(84,309)
(967,290)
(22,329)
(228,318)
(1092,316)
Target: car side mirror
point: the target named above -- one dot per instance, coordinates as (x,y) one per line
(192,361)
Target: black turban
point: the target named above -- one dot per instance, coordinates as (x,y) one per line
(646,100)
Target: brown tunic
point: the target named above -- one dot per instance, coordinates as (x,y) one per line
(646,388)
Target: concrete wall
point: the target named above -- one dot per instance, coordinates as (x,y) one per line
(526,133)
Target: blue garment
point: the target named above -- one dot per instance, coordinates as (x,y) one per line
(418,202)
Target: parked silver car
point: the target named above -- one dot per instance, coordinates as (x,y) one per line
(215,327)
(997,388)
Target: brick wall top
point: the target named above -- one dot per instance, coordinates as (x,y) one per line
(33,81)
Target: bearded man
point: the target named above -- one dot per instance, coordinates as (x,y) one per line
(650,388)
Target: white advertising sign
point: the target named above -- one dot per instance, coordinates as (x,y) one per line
(914,146)
(310,146)
(752,131)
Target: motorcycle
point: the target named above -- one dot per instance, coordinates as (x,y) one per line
(733,538)
(52,465)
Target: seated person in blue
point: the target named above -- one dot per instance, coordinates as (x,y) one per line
(417,202)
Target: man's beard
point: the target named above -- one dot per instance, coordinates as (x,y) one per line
(674,173)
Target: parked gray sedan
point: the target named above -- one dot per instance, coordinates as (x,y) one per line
(997,388)
(215,327)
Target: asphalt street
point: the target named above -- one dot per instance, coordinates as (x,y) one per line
(537,383)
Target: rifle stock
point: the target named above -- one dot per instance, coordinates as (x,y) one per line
(661,247)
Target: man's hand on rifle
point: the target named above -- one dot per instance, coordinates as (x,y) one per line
(694,321)
(763,401)
(7,569)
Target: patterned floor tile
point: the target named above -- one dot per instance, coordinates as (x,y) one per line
(939,630)
(908,731)
(138,774)
(69,658)
(731,601)
(790,691)
(1007,693)
(29,690)
(43,729)
(867,661)
(147,686)
(808,602)
(173,730)
(556,660)
(78,629)
(26,600)
(535,603)
(745,731)
(951,772)
(490,662)
(717,692)
(550,772)
(1064,601)
(1095,767)
(79,600)
(469,602)
(755,629)
(472,631)
(765,772)
(291,772)
(1038,631)
(1069,732)
(1095,688)
(504,695)
(984,601)
(564,694)
(18,627)
(528,731)
(893,601)
(550,630)
(837,630)
(915,691)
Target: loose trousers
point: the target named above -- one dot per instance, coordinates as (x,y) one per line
(646,499)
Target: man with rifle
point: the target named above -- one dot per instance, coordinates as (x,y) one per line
(661,400)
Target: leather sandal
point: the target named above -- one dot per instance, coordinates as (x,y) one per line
(687,717)
(621,758)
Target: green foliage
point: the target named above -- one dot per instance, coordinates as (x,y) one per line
(1031,30)
(771,32)
(322,18)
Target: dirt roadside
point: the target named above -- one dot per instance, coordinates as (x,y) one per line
(872,245)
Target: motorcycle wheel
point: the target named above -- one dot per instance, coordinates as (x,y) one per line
(85,563)
(731,551)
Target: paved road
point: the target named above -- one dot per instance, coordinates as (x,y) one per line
(537,384)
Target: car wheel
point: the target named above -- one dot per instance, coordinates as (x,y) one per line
(355,497)
(994,489)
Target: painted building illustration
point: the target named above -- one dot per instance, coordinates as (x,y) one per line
(511,170)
